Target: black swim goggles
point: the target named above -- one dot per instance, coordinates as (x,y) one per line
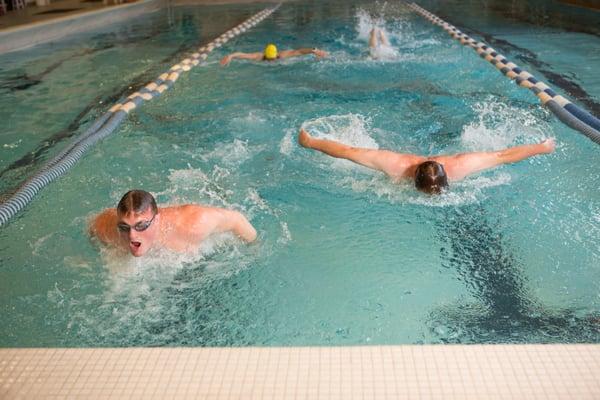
(139,227)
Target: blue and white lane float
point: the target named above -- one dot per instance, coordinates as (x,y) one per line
(107,123)
(564,109)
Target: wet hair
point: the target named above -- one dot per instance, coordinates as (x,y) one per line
(136,201)
(430,177)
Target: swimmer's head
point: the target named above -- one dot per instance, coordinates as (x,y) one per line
(270,52)
(137,221)
(430,177)
(136,201)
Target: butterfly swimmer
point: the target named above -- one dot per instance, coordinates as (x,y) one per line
(138,225)
(270,53)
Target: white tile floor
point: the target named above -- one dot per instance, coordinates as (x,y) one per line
(377,372)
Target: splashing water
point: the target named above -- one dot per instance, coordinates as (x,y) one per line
(287,143)
(350,129)
(499,125)
(468,191)
(365,25)
(384,52)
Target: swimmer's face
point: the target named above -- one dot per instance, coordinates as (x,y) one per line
(138,230)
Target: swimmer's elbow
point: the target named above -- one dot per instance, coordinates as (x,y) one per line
(241,227)
(251,235)
(99,227)
(245,230)
(96,234)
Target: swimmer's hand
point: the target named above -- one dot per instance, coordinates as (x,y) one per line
(320,53)
(226,60)
(304,138)
(548,145)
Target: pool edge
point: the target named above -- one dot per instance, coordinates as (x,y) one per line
(558,371)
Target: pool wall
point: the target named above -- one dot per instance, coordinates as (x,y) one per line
(25,36)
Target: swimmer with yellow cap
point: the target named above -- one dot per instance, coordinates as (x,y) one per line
(270,53)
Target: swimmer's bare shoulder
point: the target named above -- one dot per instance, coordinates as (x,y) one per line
(398,166)
(193,221)
(103,226)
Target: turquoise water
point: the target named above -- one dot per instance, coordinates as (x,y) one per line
(344,256)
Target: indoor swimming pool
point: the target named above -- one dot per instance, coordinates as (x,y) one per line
(344,255)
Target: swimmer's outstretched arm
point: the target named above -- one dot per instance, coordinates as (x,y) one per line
(245,56)
(396,165)
(461,165)
(301,52)
(383,38)
(373,38)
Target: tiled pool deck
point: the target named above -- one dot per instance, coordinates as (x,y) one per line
(374,372)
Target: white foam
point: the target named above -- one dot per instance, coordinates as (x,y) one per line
(384,53)
(366,22)
(350,129)
(499,126)
(286,235)
(126,272)
(287,142)
(467,191)
(55,295)
(233,153)
(254,117)
(258,204)
(364,26)
(261,206)
(400,32)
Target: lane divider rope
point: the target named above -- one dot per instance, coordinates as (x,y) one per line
(109,121)
(564,109)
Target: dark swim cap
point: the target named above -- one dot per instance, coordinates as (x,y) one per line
(136,201)
(431,178)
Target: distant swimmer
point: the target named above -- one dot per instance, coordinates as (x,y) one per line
(377,38)
(271,54)
(431,174)
(138,225)
(379,45)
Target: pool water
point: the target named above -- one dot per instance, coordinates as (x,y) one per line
(344,255)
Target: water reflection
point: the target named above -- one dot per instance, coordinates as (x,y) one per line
(507,310)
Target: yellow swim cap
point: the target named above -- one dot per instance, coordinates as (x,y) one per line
(270,52)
